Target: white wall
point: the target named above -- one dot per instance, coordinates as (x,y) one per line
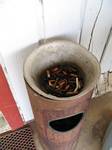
(62,17)
(96,31)
(19,28)
(24,22)
(21,25)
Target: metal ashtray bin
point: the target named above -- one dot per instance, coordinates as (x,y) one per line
(59,119)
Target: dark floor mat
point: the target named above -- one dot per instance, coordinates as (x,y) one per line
(21,139)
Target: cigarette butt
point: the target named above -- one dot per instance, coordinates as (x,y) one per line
(48,74)
(77,85)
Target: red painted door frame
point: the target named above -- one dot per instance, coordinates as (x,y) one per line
(7,103)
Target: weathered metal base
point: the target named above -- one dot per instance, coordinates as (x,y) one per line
(96,122)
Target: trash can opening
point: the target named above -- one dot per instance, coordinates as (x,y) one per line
(66,124)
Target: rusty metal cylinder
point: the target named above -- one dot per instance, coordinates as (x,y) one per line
(59,119)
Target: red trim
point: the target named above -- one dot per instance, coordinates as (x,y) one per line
(7,103)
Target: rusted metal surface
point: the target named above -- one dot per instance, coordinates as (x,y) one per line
(46,110)
(59,119)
